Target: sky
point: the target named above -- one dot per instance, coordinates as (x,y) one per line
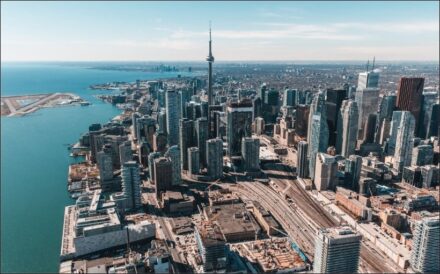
(178,31)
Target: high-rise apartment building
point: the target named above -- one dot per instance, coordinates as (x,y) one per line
(404,141)
(131,184)
(426,246)
(105,163)
(326,168)
(301,162)
(174,154)
(172,116)
(194,160)
(186,140)
(250,149)
(202,135)
(337,250)
(125,153)
(214,150)
(151,157)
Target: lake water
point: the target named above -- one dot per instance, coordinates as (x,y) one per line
(35,159)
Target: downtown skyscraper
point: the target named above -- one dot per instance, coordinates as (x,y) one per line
(172,116)
(367,97)
(410,97)
(404,141)
(317,137)
(347,128)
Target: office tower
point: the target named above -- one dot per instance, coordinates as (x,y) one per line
(333,102)
(239,125)
(301,120)
(367,186)
(404,141)
(96,142)
(385,113)
(262,92)
(214,150)
(317,137)
(410,97)
(301,162)
(186,140)
(422,155)
(351,92)
(434,121)
(337,250)
(212,119)
(250,149)
(353,168)
(162,121)
(271,97)
(194,160)
(395,122)
(134,117)
(210,60)
(289,97)
(259,126)
(185,97)
(163,169)
(257,105)
(151,157)
(105,163)
(367,97)
(325,172)
(125,153)
(370,129)
(161,98)
(347,128)
(173,117)
(131,184)
(201,138)
(160,142)
(426,246)
(430,175)
(193,110)
(430,102)
(174,154)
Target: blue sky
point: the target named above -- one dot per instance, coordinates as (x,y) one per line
(142,31)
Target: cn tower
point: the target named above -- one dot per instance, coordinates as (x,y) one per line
(210,60)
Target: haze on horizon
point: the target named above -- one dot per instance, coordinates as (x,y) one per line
(246,31)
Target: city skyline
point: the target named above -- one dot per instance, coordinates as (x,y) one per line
(242,31)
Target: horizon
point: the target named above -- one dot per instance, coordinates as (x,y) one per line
(241,31)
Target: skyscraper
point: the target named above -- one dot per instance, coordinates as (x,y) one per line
(337,250)
(370,129)
(151,157)
(410,97)
(347,128)
(353,168)
(325,172)
(289,97)
(250,149)
(367,97)
(317,138)
(210,60)
(125,153)
(214,150)
(239,125)
(422,155)
(333,102)
(105,164)
(172,117)
(186,140)
(194,160)
(202,135)
(174,154)
(301,162)
(301,120)
(131,181)
(386,108)
(163,169)
(404,141)
(426,246)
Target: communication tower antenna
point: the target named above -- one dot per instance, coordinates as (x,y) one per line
(368,64)
(374,60)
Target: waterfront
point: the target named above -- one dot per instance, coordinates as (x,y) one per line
(34,158)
